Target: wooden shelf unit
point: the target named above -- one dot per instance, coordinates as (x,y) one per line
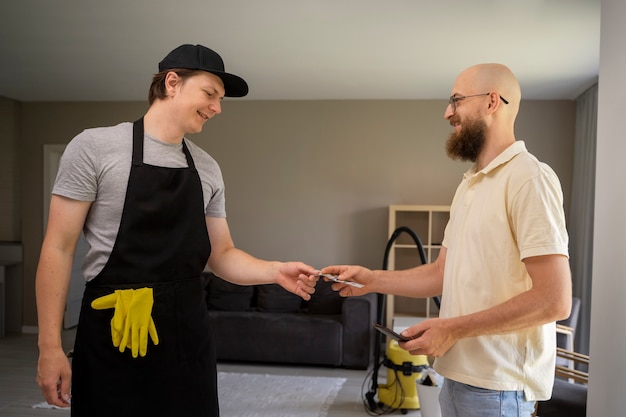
(428,222)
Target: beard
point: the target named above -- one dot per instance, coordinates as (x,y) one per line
(466,143)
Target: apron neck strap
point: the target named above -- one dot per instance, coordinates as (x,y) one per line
(138,135)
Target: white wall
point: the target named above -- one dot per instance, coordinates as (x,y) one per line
(608,307)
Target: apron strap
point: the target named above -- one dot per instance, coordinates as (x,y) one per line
(138,142)
(138,134)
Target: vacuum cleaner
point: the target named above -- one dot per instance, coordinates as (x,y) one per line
(403,369)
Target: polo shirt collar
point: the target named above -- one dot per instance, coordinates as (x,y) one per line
(505,156)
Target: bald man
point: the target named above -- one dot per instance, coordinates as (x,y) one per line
(503,270)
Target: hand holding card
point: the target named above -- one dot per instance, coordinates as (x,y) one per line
(335,279)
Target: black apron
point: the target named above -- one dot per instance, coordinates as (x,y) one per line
(162,243)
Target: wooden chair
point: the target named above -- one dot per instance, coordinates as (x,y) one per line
(565,340)
(569,395)
(566,329)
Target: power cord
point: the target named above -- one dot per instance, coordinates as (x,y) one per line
(378,408)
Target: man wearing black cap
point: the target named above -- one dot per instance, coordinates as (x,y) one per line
(151,205)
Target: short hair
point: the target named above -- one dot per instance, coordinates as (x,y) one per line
(157,88)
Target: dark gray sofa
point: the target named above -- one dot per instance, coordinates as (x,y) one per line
(265,323)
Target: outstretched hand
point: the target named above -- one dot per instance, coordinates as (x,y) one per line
(350,273)
(298,278)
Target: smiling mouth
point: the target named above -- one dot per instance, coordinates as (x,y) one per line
(204,116)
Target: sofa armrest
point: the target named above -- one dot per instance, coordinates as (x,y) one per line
(357,316)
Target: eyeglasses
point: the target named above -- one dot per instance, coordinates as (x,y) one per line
(455,99)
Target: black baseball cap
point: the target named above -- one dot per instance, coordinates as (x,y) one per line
(198,57)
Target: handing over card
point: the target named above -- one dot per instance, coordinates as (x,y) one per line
(335,279)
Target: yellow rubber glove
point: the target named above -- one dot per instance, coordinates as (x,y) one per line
(139,323)
(120,300)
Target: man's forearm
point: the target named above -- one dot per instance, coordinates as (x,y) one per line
(239,267)
(51,287)
(522,312)
(421,282)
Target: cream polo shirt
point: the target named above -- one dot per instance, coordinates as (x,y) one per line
(510,210)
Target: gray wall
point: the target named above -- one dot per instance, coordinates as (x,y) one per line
(306,180)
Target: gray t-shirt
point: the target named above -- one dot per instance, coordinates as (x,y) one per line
(95,167)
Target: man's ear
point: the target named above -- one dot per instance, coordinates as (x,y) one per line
(493,102)
(172,81)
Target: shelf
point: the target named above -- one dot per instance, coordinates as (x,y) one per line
(428,222)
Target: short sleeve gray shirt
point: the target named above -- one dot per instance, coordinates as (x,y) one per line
(96,166)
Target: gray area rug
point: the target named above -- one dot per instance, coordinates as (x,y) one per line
(262,395)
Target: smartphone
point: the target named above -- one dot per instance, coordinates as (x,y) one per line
(390,333)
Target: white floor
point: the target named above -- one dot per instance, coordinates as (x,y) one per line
(19,391)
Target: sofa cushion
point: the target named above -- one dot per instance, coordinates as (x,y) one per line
(277,337)
(223,295)
(275,299)
(568,400)
(324,300)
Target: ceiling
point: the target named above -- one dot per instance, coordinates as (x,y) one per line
(86,50)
